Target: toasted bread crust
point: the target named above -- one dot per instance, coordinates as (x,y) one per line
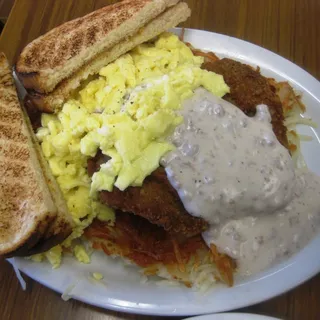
(45,61)
(26,207)
(52,102)
(33,214)
(34,240)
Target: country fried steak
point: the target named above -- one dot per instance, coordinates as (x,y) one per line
(157,201)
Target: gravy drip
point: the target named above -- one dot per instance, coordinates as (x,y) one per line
(231,170)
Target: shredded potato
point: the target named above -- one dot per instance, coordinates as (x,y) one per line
(293,108)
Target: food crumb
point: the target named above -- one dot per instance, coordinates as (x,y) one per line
(97,276)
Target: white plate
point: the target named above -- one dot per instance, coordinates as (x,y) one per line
(121,288)
(232,316)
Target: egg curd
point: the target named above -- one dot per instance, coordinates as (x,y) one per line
(127,112)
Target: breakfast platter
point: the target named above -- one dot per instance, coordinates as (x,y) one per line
(124,288)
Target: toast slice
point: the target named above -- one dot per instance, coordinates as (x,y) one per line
(31,205)
(54,100)
(45,62)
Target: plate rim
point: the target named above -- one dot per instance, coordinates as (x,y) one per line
(312,87)
(252,316)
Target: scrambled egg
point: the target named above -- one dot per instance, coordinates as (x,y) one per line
(127,113)
(81,254)
(97,276)
(54,256)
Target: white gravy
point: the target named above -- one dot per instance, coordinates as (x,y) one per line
(231,170)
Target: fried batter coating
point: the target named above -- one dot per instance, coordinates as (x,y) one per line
(158,202)
(248,88)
